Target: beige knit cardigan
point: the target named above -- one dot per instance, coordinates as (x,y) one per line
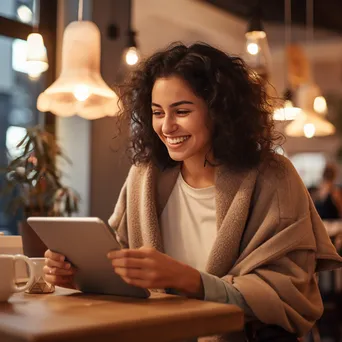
(270,239)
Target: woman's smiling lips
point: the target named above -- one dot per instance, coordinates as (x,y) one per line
(176,141)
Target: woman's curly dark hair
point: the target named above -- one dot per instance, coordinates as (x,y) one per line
(239,107)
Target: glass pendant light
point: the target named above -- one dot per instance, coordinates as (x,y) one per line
(257,52)
(80,88)
(131,53)
(36,59)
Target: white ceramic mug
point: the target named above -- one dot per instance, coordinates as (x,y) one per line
(8,276)
(39,285)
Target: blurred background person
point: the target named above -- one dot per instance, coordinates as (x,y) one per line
(327,196)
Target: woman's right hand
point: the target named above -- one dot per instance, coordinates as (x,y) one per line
(57,271)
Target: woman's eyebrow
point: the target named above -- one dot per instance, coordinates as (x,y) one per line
(173,104)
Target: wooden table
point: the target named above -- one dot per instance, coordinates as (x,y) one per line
(68,315)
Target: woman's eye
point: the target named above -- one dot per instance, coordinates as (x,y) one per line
(183,112)
(156,112)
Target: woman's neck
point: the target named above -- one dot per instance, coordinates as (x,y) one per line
(197,175)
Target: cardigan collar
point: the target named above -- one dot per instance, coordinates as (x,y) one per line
(230,198)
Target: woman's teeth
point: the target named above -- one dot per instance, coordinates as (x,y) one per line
(178,140)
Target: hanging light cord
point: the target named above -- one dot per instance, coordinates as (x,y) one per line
(80,10)
(36,13)
(309,21)
(288,32)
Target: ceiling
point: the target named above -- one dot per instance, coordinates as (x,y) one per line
(327,13)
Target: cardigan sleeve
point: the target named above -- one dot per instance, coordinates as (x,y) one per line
(220,291)
(118,220)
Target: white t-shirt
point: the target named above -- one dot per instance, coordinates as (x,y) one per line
(188,224)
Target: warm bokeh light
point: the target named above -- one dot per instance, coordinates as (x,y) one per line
(320,105)
(253,48)
(81,92)
(286,113)
(309,130)
(132,56)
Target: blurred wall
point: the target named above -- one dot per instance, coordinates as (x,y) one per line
(160,22)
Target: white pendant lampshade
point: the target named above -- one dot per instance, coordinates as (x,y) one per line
(36,60)
(80,88)
(309,124)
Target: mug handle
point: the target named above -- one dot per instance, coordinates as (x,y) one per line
(31,268)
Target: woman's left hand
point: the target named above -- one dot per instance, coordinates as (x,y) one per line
(148,268)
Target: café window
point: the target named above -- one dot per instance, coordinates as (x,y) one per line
(18,89)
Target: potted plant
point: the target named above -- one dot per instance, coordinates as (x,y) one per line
(33,184)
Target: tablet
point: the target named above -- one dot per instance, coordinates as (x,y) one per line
(85,242)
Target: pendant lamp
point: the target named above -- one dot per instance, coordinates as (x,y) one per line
(131,53)
(257,51)
(80,88)
(320,104)
(36,59)
(288,111)
(308,123)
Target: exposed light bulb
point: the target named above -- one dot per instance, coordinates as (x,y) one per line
(132,56)
(24,14)
(320,105)
(253,48)
(309,130)
(81,92)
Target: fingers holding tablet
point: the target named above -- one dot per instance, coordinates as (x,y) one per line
(57,271)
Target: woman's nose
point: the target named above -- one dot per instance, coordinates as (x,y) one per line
(169,124)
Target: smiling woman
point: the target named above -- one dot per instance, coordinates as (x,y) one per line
(208,209)
(182,125)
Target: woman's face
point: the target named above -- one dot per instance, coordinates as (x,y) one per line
(181,120)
